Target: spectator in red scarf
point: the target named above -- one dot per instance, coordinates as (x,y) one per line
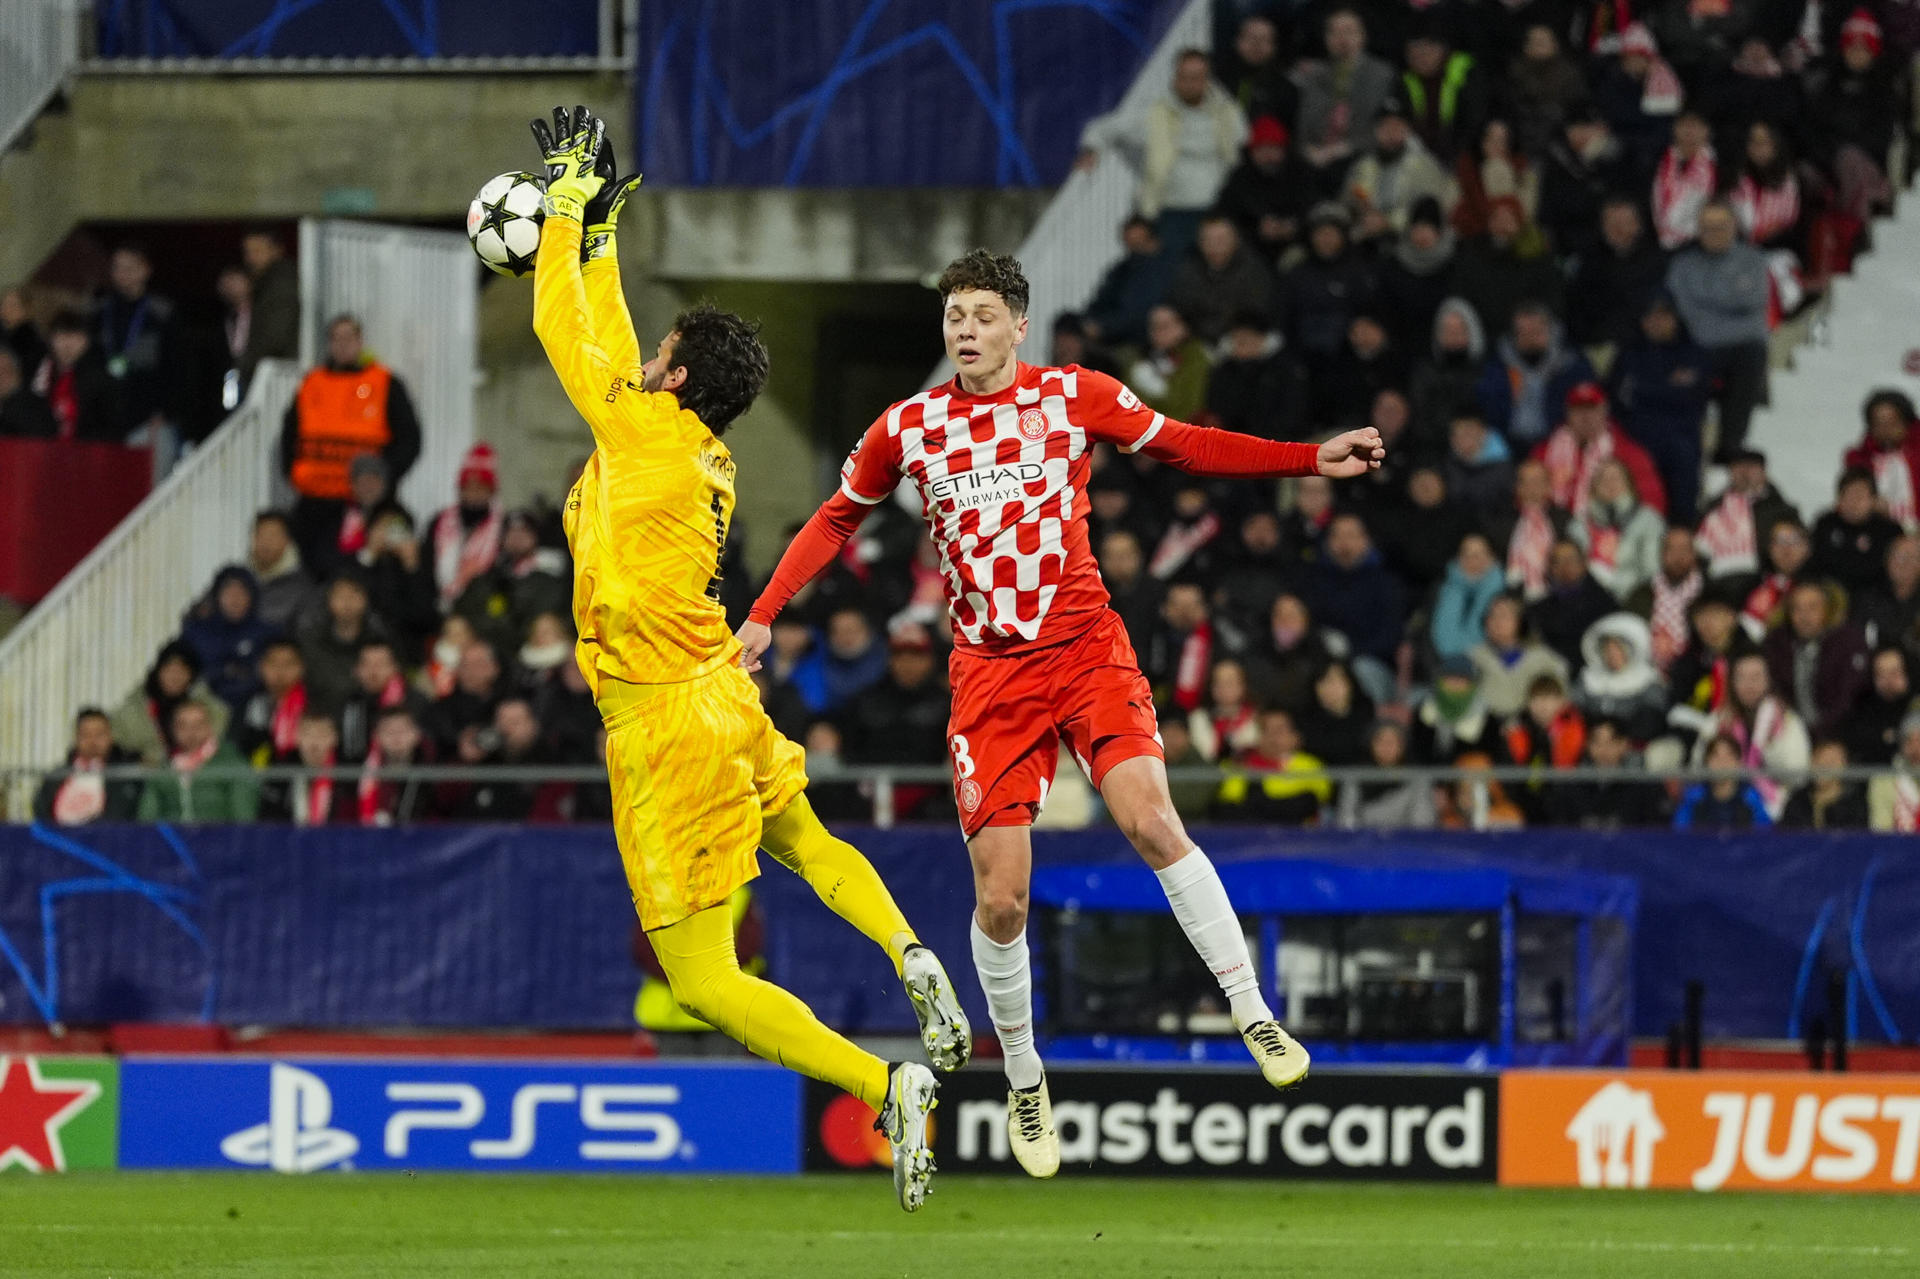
(143,723)
(1588,437)
(1737,525)
(314,797)
(206,780)
(1789,551)
(74,381)
(1689,174)
(1890,450)
(1180,651)
(1225,726)
(384,799)
(1528,534)
(465,537)
(79,794)
(1766,198)
(266,725)
(378,685)
(1664,601)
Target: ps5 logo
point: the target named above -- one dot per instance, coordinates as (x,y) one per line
(653,1136)
(296,1136)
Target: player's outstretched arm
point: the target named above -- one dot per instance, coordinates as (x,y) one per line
(812,549)
(600,265)
(561,318)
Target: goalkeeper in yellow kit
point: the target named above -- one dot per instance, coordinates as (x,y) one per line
(701,779)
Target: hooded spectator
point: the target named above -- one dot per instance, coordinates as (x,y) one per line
(1624,798)
(1415,275)
(1495,169)
(1893,801)
(1478,468)
(1256,385)
(1276,782)
(1269,195)
(1389,804)
(1574,602)
(1723,290)
(1220,278)
(1817,659)
(266,726)
(1665,599)
(143,723)
(226,634)
(1117,315)
(1451,719)
(1660,384)
(1826,801)
(1890,450)
(1615,277)
(1172,375)
(852,659)
(1383,187)
(1227,725)
(1473,582)
(286,590)
(79,794)
(1352,592)
(206,780)
(1619,681)
(1507,660)
(1729,802)
(1336,723)
(1506,267)
(1688,176)
(465,537)
(1526,382)
(1850,541)
(1870,727)
(1620,535)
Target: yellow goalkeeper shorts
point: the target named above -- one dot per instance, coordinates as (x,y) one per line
(696,768)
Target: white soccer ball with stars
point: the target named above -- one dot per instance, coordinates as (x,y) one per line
(503,223)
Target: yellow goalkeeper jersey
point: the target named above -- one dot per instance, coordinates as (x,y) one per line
(648,519)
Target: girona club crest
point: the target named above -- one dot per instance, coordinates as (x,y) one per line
(969,794)
(1033,424)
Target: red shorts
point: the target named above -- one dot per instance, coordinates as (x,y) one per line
(1010,715)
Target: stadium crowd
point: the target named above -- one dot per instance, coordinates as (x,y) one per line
(1540,247)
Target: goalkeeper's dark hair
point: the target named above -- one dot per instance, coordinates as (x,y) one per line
(990,272)
(726,364)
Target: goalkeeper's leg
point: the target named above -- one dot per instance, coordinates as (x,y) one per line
(848,884)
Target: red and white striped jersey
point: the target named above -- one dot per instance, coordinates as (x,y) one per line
(1004,482)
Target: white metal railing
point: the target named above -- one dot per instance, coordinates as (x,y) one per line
(39,48)
(417,294)
(92,639)
(1078,236)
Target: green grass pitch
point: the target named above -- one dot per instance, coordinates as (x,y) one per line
(232,1224)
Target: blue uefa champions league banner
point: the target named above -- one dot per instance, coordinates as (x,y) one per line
(347,28)
(316,1115)
(870,93)
(533,926)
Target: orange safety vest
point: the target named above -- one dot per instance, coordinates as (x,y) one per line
(342,415)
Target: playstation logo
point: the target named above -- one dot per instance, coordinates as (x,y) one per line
(296,1136)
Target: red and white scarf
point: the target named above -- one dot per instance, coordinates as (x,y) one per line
(1727,536)
(1765,212)
(1763,602)
(82,797)
(1669,621)
(1906,803)
(1190,675)
(1527,553)
(1570,466)
(1680,190)
(353,531)
(313,802)
(1180,544)
(284,728)
(460,556)
(1769,721)
(1893,478)
(368,792)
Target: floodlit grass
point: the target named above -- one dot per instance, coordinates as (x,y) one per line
(848,1227)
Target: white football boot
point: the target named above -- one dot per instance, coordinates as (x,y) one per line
(1282,1060)
(1030,1130)
(943,1026)
(911,1097)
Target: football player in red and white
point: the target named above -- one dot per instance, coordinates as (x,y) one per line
(1001,456)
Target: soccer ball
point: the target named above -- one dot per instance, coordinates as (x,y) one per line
(503,223)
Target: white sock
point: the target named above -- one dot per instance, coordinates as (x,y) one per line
(1008,983)
(1199,902)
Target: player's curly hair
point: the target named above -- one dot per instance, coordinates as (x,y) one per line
(992,272)
(725,360)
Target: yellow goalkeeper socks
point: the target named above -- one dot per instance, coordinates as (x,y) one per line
(840,874)
(698,957)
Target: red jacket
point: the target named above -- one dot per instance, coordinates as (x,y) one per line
(1570,474)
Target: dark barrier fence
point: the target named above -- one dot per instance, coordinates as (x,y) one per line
(531,926)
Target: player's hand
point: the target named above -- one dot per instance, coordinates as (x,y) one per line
(603,210)
(754,638)
(571,153)
(1345,457)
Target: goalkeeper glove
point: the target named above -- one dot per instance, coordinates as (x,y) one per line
(603,210)
(570,152)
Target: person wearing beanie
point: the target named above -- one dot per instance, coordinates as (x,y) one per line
(465,537)
(1269,194)
(1854,115)
(350,405)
